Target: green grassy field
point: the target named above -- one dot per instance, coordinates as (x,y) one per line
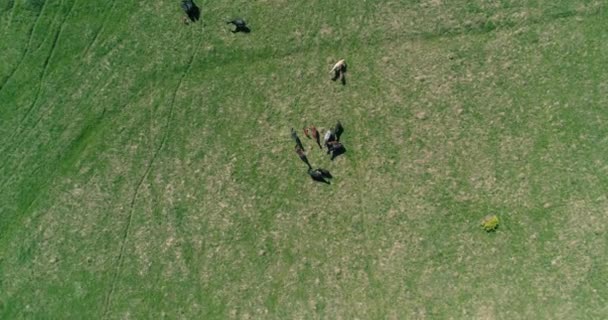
(146,168)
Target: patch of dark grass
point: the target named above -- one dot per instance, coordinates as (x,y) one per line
(35,5)
(27,251)
(561,14)
(9,5)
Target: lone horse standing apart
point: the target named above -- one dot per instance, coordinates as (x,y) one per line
(339,71)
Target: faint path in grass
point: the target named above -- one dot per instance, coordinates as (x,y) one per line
(24,137)
(100,29)
(66,161)
(19,131)
(125,236)
(12,11)
(27,48)
(48,60)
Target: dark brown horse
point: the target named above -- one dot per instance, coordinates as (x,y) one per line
(302,156)
(335,148)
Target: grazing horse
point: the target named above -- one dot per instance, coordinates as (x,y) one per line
(295,138)
(315,135)
(312,131)
(191,10)
(333,145)
(338,130)
(187,5)
(302,156)
(325,173)
(339,71)
(317,175)
(335,148)
(306,132)
(240,24)
(329,137)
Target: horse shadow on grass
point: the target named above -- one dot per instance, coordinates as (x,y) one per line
(243,29)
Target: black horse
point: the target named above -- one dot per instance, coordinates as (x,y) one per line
(191,9)
(335,148)
(325,173)
(317,176)
(240,24)
(302,156)
(338,130)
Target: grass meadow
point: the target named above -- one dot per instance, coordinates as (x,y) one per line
(146,168)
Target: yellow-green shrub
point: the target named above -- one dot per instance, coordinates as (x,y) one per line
(490,223)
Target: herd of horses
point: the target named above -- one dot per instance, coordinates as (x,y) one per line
(331,139)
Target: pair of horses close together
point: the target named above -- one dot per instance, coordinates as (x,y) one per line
(332,141)
(193,14)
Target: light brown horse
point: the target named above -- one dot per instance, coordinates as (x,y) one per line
(312,131)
